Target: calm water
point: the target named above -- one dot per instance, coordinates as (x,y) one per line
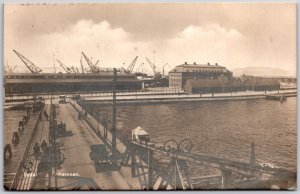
(223,128)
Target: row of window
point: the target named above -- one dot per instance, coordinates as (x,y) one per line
(175,75)
(58,76)
(176,85)
(206,71)
(175,80)
(200,71)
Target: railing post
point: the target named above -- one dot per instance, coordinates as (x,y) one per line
(114,119)
(150,170)
(226,177)
(133,162)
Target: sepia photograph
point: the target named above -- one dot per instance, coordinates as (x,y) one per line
(149,96)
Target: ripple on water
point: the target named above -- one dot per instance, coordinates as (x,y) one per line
(224,128)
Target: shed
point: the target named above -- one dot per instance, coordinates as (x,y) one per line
(203,86)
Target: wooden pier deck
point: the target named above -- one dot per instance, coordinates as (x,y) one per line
(99,129)
(76,149)
(18,151)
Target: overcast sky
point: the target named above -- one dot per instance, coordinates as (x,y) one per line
(233,35)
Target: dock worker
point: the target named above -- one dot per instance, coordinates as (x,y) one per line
(36,150)
(28,112)
(46,115)
(44,146)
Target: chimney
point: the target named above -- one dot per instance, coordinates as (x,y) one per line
(185,63)
(195,63)
(208,64)
(216,64)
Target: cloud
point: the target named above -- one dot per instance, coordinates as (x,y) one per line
(113,46)
(210,43)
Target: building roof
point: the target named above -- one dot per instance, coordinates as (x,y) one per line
(193,65)
(186,67)
(261,81)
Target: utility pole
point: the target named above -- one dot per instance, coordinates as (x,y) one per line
(154,58)
(114,119)
(54,64)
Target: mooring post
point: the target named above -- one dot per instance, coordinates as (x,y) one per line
(114,130)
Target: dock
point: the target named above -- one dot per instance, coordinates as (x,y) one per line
(184,97)
(74,163)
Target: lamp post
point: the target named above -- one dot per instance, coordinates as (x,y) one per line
(113,129)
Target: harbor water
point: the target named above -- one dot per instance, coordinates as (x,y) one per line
(221,128)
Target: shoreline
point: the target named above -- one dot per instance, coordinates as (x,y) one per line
(128,100)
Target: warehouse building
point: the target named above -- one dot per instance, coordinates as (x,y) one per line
(181,73)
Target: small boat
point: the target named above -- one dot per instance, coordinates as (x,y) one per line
(139,134)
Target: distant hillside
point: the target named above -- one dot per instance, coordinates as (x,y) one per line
(262,71)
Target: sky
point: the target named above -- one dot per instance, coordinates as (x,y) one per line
(234,35)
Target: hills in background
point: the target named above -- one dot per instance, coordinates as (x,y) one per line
(262,71)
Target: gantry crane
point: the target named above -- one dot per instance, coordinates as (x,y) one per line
(132,64)
(30,65)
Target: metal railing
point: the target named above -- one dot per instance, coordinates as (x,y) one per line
(20,171)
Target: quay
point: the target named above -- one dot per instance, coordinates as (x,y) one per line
(160,96)
(184,97)
(80,158)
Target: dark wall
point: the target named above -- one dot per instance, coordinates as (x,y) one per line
(198,90)
(68,87)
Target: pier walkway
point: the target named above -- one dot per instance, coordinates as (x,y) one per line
(12,166)
(76,149)
(106,137)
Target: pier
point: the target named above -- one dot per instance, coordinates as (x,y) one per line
(80,157)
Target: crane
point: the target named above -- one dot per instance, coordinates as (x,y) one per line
(153,67)
(139,67)
(67,69)
(82,70)
(93,67)
(30,65)
(132,64)
(164,68)
(9,69)
(73,69)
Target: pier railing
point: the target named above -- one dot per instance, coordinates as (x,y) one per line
(19,176)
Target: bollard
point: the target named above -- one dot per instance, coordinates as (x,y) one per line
(21,126)
(15,138)
(7,152)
